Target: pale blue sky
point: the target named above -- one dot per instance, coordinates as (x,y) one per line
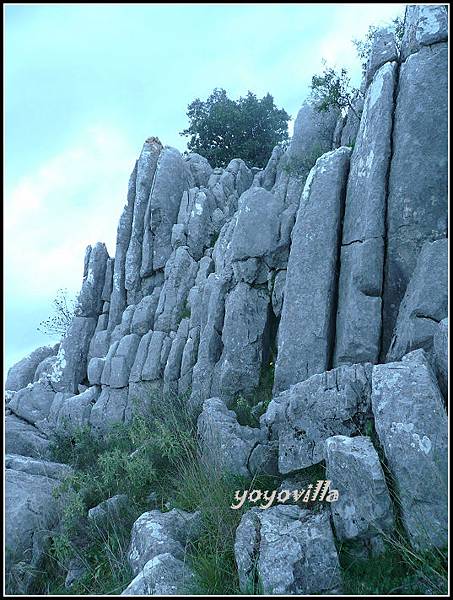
(87,84)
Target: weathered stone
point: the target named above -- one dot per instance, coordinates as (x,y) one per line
(425,302)
(173,366)
(77,569)
(352,123)
(143,319)
(109,408)
(70,368)
(32,512)
(105,377)
(163,575)
(336,402)
(146,169)
(266,178)
(278,292)
(95,369)
(411,423)
(23,372)
(290,550)
(226,445)
(197,207)
(118,295)
(308,313)
(383,49)
(22,438)
(75,411)
(152,366)
(110,509)
(440,347)
(33,402)
(243,334)
(170,181)
(155,533)
(122,361)
(108,284)
(33,466)
(200,169)
(363,509)
(424,25)
(89,301)
(417,198)
(180,273)
(358,326)
(99,345)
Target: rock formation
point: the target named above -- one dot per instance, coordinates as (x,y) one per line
(325,264)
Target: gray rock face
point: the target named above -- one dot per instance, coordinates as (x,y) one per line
(23,372)
(89,302)
(352,124)
(424,25)
(155,533)
(32,512)
(425,302)
(244,328)
(358,327)
(146,169)
(195,219)
(180,273)
(308,313)
(441,354)
(122,361)
(33,402)
(143,319)
(226,445)
(383,50)
(417,199)
(266,177)
(70,368)
(291,550)
(22,438)
(170,181)
(336,402)
(199,168)
(118,295)
(411,423)
(109,408)
(163,575)
(363,509)
(73,412)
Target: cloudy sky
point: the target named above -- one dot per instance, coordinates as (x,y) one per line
(87,84)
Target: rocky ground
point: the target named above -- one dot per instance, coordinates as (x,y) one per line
(255,328)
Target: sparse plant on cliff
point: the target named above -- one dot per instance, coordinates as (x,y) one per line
(332,89)
(57,324)
(221,129)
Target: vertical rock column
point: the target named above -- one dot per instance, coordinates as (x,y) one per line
(308,315)
(417,199)
(358,329)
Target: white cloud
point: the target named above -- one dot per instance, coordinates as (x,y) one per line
(53,213)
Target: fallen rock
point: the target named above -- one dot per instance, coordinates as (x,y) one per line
(363,510)
(411,423)
(163,575)
(288,551)
(336,402)
(23,372)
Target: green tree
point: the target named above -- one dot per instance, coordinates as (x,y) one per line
(221,129)
(332,89)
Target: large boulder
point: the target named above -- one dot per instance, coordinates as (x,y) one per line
(23,372)
(363,510)
(33,402)
(425,302)
(412,426)
(308,314)
(358,321)
(163,575)
(32,513)
(226,445)
(155,533)
(301,418)
(288,550)
(23,438)
(383,49)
